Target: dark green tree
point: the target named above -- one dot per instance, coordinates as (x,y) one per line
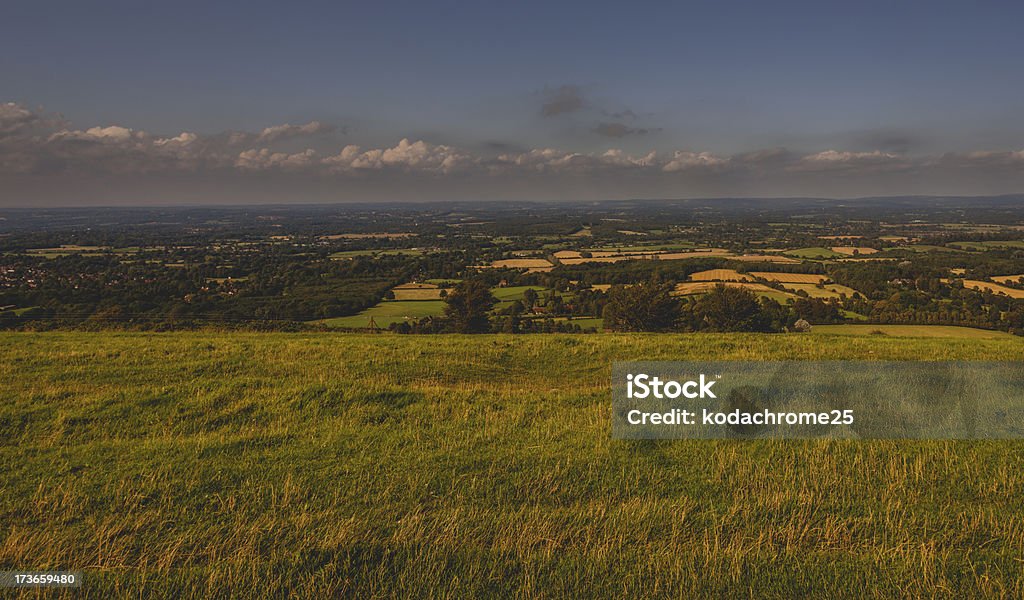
(647,306)
(729,309)
(467,306)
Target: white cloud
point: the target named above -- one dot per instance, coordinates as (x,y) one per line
(15,118)
(185,138)
(31,142)
(286,131)
(682,161)
(263,159)
(833,160)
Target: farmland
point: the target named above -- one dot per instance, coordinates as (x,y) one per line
(415,301)
(789,277)
(388,312)
(416,291)
(719,275)
(186,464)
(995,288)
(880,260)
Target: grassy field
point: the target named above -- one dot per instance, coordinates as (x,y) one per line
(988,245)
(388,312)
(688,288)
(830,290)
(412,304)
(921,331)
(995,288)
(816,252)
(248,465)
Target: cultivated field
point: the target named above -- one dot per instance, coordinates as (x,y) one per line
(789,277)
(388,312)
(830,290)
(853,250)
(687,288)
(719,275)
(995,288)
(417,291)
(202,465)
(530,264)
(815,252)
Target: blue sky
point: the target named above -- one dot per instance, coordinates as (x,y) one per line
(916,81)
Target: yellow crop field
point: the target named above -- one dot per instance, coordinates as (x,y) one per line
(830,290)
(719,275)
(522,263)
(993,287)
(700,287)
(1007,278)
(789,277)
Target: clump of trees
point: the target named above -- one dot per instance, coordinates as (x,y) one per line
(468,306)
(646,306)
(729,309)
(650,306)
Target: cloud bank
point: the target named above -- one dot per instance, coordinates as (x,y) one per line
(39,153)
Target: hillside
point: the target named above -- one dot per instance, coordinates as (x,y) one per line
(369,465)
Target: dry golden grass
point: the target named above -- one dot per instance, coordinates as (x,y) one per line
(700,287)
(995,288)
(719,275)
(1005,278)
(561,254)
(417,294)
(830,290)
(209,465)
(522,263)
(789,277)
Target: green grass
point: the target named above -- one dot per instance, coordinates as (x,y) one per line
(18,311)
(829,290)
(515,292)
(397,311)
(814,253)
(925,248)
(925,331)
(441,281)
(388,312)
(584,322)
(200,465)
(987,245)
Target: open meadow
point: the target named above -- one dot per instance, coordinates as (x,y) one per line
(321,464)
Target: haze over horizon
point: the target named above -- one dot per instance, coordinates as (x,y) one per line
(112,103)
